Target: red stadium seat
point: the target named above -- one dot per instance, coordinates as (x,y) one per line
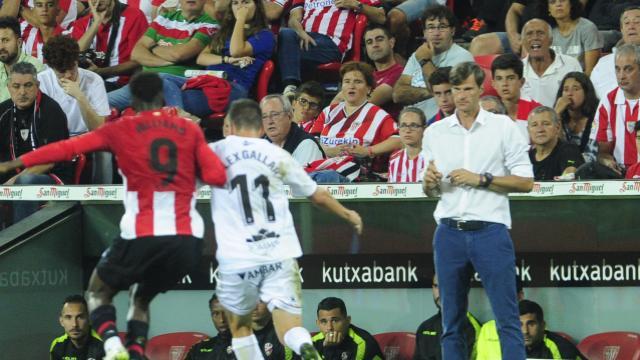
(397,345)
(566,336)
(172,346)
(618,345)
(484,61)
(331,70)
(80,161)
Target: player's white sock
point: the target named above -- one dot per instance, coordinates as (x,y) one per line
(246,348)
(113,344)
(296,337)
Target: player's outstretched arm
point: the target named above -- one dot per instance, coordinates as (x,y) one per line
(321,198)
(10,165)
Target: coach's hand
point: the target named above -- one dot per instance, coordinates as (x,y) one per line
(462,177)
(355,220)
(432,176)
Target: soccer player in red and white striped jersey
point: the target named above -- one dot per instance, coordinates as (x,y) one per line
(616,122)
(94,31)
(160,155)
(407,164)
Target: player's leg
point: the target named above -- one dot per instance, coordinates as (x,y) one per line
(103,316)
(239,296)
(281,291)
(138,320)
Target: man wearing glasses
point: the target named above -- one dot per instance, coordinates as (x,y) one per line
(437,51)
(307,104)
(279,130)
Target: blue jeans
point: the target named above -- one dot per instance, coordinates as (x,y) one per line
(22,209)
(292,59)
(490,251)
(328,177)
(121,98)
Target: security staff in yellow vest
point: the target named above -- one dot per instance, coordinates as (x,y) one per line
(539,343)
(429,332)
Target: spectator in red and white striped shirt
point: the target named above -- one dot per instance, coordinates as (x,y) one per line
(37,31)
(356,127)
(616,122)
(113,56)
(319,32)
(406,164)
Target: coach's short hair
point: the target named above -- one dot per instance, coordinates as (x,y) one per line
(331,303)
(462,71)
(414,110)
(245,114)
(75,299)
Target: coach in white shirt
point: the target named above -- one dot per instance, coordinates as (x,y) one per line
(490,161)
(543,68)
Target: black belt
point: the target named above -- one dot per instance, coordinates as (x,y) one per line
(465,225)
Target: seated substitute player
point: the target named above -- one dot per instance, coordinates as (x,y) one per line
(219,346)
(80,341)
(428,335)
(159,155)
(257,242)
(339,339)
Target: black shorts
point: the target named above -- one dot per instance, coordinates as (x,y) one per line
(156,263)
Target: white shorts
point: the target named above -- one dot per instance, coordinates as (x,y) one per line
(277,284)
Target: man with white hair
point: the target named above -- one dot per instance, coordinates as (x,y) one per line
(543,68)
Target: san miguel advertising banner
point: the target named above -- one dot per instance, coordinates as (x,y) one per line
(399,271)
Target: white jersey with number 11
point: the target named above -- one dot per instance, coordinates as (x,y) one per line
(253,224)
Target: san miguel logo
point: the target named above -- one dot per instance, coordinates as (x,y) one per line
(343,191)
(586,188)
(52,193)
(204,193)
(101,193)
(10,193)
(390,190)
(630,186)
(542,189)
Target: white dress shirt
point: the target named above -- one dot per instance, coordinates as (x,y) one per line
(544,89)
(603,75)
(493,144)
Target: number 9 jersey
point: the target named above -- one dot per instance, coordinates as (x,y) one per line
(159,155)
(253,224)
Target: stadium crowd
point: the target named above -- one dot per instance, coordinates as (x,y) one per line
(382,56)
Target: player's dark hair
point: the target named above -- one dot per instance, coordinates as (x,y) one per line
(506,62)
(61,53)
(146,91)
(11,23)
(76,299)
(214,297)
(530,307)
(331,303)
(245,114)
(439,76)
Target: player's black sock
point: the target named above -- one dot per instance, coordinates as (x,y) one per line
(137,332)
(103,319)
